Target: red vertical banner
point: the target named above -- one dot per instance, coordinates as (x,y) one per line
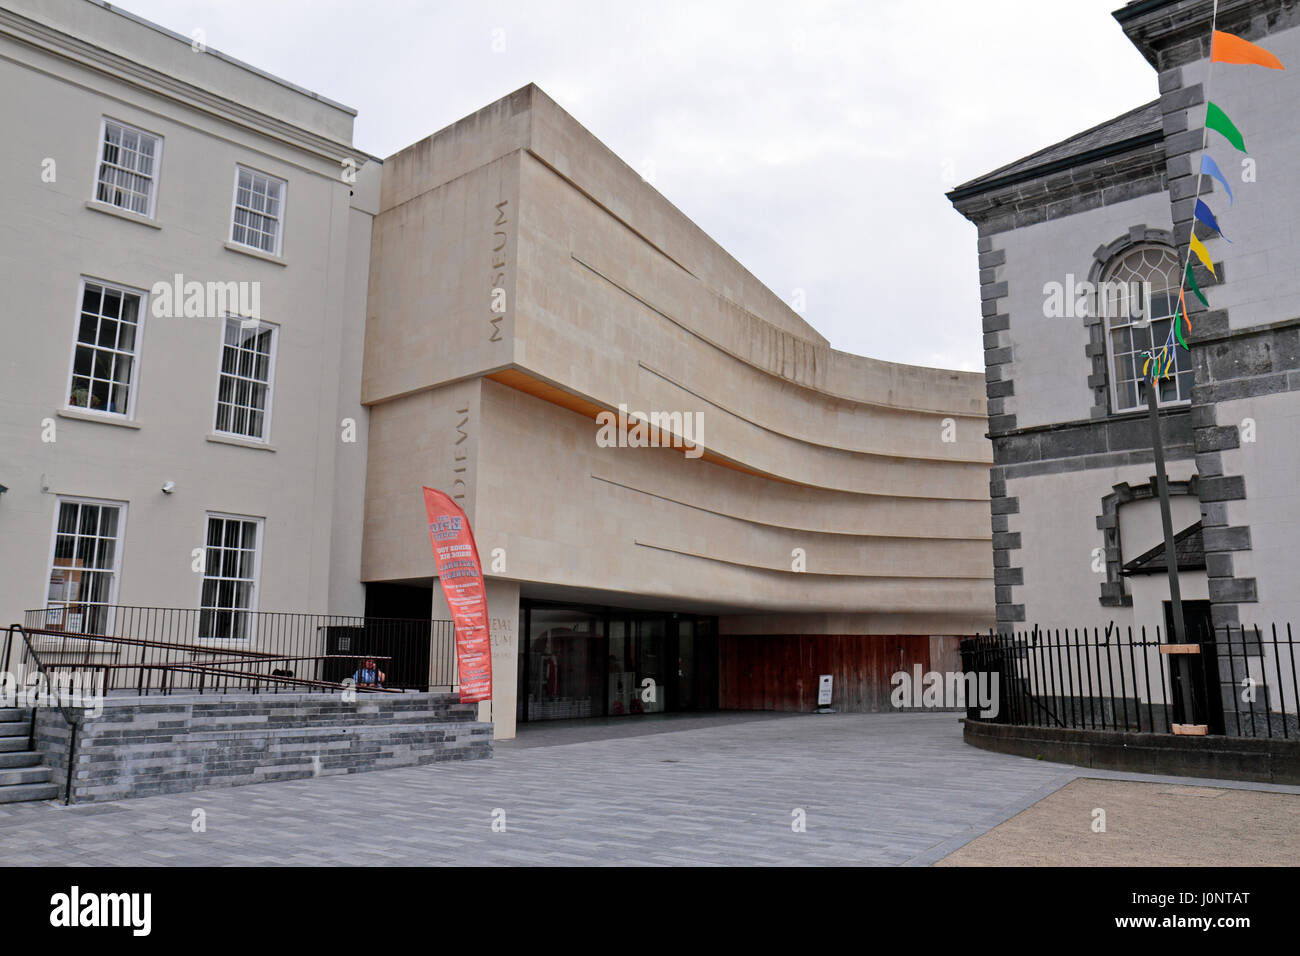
(462,584)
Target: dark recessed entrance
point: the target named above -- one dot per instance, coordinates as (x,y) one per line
(584,661)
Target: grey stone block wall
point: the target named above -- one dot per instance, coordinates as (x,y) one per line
(140,746)
(999,386)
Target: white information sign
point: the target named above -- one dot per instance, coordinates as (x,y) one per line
(824,690)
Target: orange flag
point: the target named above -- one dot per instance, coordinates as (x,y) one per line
(1227,48)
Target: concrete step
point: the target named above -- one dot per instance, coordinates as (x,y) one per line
(21,792)
(17,776)
(21,758)
(15,728)
(12,744)
(8,714)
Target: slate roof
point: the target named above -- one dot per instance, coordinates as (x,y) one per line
(1107,137)
(1189,546)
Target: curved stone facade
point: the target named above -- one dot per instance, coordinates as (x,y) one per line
(524,280)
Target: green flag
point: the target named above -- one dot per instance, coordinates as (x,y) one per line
(1191,281)
(1218,121)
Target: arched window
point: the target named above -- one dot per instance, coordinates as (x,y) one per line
(1139,297)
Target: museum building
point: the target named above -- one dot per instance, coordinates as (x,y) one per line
(795,511)
(683,497)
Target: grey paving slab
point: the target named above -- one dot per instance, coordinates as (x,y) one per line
(878,789)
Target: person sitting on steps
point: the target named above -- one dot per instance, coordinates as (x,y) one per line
(368,675)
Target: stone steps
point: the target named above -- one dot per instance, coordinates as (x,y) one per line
(16,776)
(23,774)
(22,792)
(19,758)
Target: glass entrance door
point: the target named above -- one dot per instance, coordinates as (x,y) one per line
(651,664)
(637,674)
(593,662)
(565,653)
(685,671)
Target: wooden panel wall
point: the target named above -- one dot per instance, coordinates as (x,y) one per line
(780,673)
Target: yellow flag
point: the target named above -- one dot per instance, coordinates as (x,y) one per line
(1203,254)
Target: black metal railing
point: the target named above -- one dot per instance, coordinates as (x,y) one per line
(1241,679)
(33,674)
(33,670)
(150,649)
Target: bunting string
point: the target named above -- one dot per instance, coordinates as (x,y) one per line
(1229,49)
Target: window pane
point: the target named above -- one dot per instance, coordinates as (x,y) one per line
(67,518)
(243,390)
(103,358)
(1151,276)
(126,169)
(256,217)
(85,550)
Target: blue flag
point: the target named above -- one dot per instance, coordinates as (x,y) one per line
(1204,215)
(1210,168)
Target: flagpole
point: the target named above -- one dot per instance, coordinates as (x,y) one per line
(1180,665)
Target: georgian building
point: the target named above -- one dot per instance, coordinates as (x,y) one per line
(1076,530)
(185,254)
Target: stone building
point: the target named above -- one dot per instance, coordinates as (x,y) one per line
(1076,530)
(828,518)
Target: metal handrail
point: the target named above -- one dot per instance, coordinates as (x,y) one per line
(73,725)
(418,653)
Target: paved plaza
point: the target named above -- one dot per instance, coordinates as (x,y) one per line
(888,789)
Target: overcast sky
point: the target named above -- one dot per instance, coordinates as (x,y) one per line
(813,140)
